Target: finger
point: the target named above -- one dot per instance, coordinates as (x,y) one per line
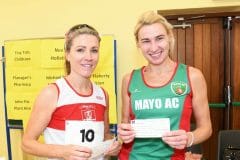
(114,147)
(194,155)
(112,152)
(180,143)
(175,144)
(83,155)
(174,133)
(127,139)
(82,152)
(125,126)
(78,158)
(83,149)
(126,133)
(178,138)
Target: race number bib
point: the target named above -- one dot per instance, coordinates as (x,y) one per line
(84,133)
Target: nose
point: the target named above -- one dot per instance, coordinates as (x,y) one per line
(154,46)
(88,55)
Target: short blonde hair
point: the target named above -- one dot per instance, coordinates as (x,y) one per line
(150,17)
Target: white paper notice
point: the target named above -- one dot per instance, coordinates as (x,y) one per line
(101,148)
(150,128)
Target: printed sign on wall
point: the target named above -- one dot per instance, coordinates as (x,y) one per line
(32,64)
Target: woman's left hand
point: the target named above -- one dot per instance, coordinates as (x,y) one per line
(114,149)
(176,139)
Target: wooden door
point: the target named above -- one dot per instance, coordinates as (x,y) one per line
(235,112)
(202,46)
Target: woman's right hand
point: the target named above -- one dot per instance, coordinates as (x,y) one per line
(74,152)
(126,133)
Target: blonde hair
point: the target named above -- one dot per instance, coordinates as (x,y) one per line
(150,17)
(74,32)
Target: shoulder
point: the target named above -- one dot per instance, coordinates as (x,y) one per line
(127,77)
(197,80)
(195,74)
(104,91)
(98,88)
(47,99)
(49,92)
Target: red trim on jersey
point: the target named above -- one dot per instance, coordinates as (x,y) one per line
(179,154)
(83,95)
(175,70)
(105,94)
(186,114)
(184,124)
(125,151)
(80,111)
(130,79)
(127,147)
(131,114)
(190,84)
(57,89)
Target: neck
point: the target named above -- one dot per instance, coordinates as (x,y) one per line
(80,84)
(167,66)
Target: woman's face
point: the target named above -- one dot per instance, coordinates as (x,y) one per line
(83,55)
(153,41)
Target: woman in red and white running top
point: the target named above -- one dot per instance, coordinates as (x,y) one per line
(73,112)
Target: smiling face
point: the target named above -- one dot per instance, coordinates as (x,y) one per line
(153,41)
(83,55)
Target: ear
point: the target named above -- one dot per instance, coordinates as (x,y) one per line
(67,56)
(137,43)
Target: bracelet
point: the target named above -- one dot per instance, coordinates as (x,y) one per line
(192,139)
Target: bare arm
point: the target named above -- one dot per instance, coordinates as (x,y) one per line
(44,106)
(125,130)
(125,99)
(200,106)
(180,138)
(39,119)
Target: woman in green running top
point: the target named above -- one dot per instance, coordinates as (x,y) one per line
(163,94)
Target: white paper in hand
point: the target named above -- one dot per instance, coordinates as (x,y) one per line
(150,128)
(101,148)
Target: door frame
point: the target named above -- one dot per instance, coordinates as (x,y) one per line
(191,12)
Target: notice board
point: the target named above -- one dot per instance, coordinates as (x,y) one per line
(31,64)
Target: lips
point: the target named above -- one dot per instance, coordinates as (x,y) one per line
(156,54)
(87,65)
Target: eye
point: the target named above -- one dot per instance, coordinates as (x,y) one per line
(159,38)
(94,50)
(145,41)
(80,50)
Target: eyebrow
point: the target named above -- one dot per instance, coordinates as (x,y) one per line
(161,35)
(80,46)
(158,36)
(144,39)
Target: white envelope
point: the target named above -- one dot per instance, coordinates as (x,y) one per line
(150,128)
(101,148)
